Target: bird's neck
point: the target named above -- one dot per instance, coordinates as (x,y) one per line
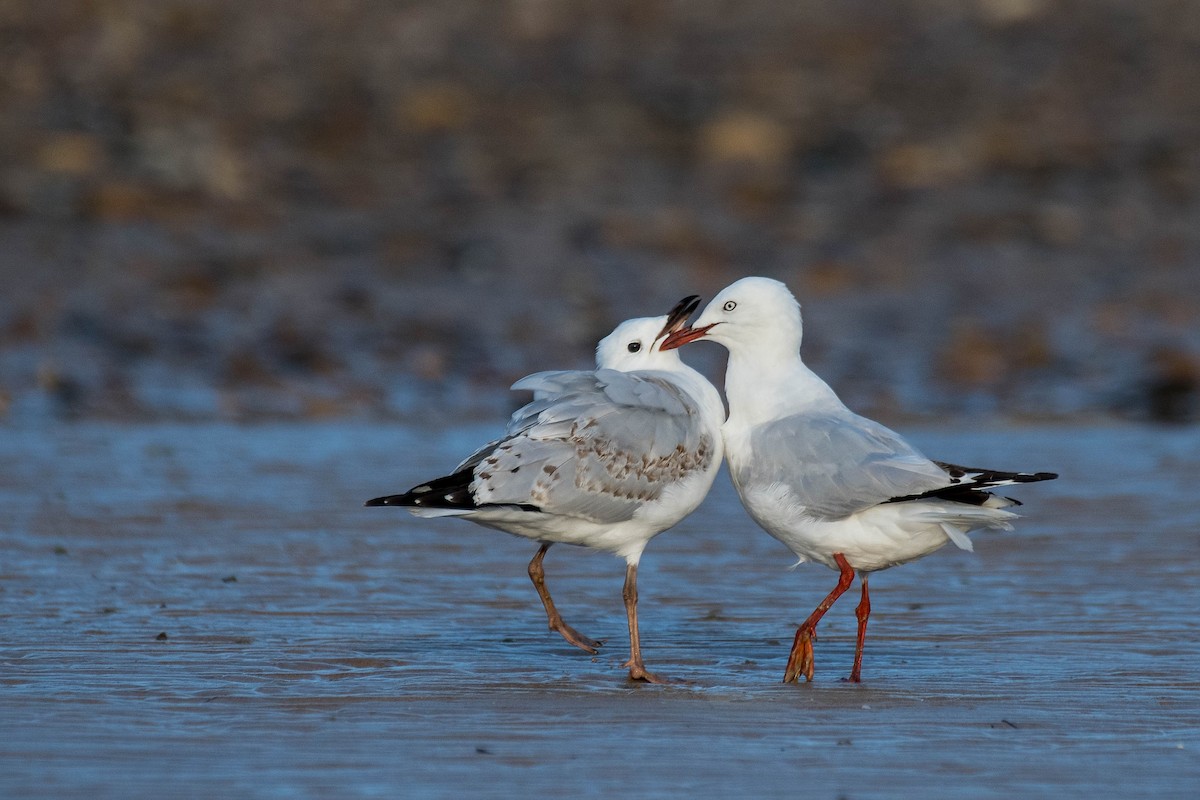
(763,386)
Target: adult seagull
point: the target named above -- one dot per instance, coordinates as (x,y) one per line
(836,488)
(606,459)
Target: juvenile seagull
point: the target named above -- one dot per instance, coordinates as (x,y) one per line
(836,488)
(605,459)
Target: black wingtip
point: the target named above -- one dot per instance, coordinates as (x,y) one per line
(1033,477)
(390,500)
(975,490)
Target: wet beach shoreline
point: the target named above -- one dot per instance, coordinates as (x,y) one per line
(207,608)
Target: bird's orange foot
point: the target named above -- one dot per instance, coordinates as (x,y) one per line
(800,660)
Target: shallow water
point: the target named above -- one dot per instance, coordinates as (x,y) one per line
(207,610)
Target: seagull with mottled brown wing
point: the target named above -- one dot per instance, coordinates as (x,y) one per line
(605,459)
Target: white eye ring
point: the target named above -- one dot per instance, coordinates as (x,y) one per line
(634,347)
(729,305)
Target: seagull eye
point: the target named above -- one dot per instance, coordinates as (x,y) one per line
(635,346)
(729,305)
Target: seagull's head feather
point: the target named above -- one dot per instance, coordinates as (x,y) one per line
(636,344)
(752,314)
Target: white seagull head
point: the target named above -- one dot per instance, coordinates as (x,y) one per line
(636,344)
(749,315)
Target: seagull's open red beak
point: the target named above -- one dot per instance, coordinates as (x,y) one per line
(679,314)
(683,336)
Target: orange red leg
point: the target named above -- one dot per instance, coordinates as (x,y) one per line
(800,660)
(862,612)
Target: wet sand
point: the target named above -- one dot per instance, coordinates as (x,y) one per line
(207,610)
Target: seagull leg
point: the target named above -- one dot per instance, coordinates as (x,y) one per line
(862,612)
(538,576)
(800,660)
(637,670)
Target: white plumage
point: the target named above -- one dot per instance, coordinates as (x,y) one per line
(835,487)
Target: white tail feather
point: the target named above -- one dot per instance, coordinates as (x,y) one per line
(433,513)
(960,539)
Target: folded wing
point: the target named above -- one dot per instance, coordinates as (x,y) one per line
(593,445)
(837,464)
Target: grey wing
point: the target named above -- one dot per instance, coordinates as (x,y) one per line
(549,385)
(838,464)
(547,388)
(606,443)
(645,389)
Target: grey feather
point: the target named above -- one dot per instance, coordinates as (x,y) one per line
(836,464)
(595,445)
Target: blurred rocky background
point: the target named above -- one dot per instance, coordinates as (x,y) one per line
(222,209)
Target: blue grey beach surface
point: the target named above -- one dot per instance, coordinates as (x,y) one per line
(204,610)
